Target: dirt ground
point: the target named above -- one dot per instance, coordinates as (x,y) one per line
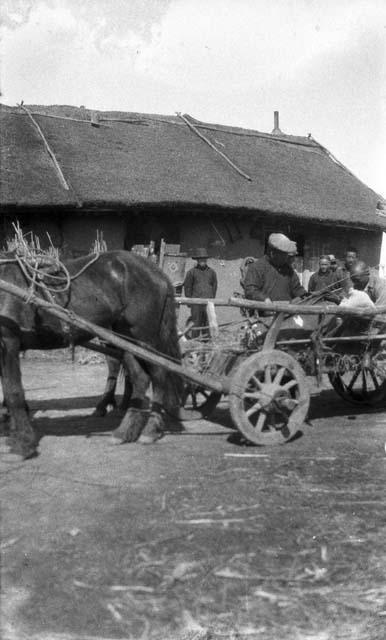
(196,537)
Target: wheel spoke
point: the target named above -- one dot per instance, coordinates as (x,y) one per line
(374,379)
(257,382)
(279,375)
(267,374)
(290,384)
(253,395)
(353,379)
(261,421)
(364,381)
(255,407)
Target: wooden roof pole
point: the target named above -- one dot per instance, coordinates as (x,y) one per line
(62,179)
(205,139)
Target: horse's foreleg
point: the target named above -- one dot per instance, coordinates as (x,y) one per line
(23,439)
(136,415)
(108,397)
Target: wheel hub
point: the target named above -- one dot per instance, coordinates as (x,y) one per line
(271,395)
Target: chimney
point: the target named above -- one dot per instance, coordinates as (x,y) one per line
(94,119)
(276,131)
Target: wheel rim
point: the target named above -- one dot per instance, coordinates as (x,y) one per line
(365,384)
(269,397)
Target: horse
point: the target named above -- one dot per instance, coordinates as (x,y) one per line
(117,290)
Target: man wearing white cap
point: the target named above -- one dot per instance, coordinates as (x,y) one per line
(273,277)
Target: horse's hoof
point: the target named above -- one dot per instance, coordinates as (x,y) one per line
(153,430)
(130,427)
(24,450)
(28,454)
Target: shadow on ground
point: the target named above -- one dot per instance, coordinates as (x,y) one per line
(324,405)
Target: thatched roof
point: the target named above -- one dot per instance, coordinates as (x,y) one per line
(133,159)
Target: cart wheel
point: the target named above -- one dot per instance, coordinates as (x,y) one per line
(197,403)
(269,397)
(365,384)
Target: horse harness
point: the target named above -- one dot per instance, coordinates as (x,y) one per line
(48,276)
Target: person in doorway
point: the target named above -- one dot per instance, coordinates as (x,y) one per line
(324,280)
(333,262)
(273,276)
(200,282)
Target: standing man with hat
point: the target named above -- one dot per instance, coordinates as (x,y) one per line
(200,282)
(273,276)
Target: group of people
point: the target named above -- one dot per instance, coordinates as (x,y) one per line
(345,282)
(273,278)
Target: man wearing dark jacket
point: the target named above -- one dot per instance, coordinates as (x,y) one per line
(343,273)
(273,277)
(200,282)
(324,280)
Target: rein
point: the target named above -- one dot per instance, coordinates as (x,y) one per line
(33,271)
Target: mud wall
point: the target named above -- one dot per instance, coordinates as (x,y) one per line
(228,238)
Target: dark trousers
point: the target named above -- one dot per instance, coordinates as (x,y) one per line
(199,317)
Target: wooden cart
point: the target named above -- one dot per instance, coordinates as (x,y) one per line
(264,370)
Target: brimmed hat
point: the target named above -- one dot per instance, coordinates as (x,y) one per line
(332,257)
(200,253)
(280,242)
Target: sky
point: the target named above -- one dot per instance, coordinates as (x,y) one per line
(320,63)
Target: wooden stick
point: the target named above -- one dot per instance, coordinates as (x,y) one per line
(364,338)
(51,115)
(212,319)
(71,318)
(220,153)
(286,307)
(62,179)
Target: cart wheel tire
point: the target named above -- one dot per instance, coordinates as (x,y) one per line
(364,386)
(198,403)
(269,398)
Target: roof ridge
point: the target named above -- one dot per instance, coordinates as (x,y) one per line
(172,120)
(346,169)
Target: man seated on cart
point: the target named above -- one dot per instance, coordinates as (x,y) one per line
(367,280)
(368,291)
(273,277)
